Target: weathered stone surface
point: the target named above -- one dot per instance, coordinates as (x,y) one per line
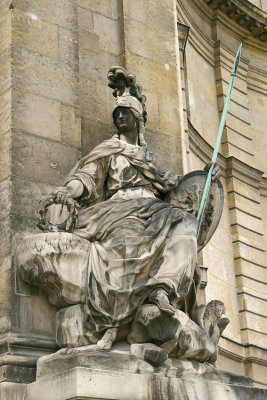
(106,28)
(92,64)
(119,377)
(246,220)
(16,374)
(5,235)
(230,150)
(240,141)
(41,159)
(90,384)
(5,32)
(258,118)
(150,353)
(36,114)
(26,29)
(238,186)
(156,14)
(152,112)
(148,72)
(68,49)
(12,391)
(70,126)
(22,224)
(5,198)
(5,7)
(121,359)
(5,285)
(179,336)
(94,107)
(27,194)
(5,70)
(246,204)
(5,112)
(90,41)
(46,77)
(56,262)
(71,328)
(158,48)
(5,159)
(59,12)
(109,8)
(94,132)
(99,284)
(162,144)
(85,20)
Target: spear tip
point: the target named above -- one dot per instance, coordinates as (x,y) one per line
(237,58)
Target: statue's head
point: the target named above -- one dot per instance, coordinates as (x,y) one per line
(129,109)
(125,120)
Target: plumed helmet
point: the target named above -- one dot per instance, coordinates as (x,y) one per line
(128,94)
(126,91)
(126,100)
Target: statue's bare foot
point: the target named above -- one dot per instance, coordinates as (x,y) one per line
(62,351)
(160,297)
(107,340)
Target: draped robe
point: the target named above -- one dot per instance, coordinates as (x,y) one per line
(138,241)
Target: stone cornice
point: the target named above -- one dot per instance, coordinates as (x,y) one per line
(244,14)
(197,38)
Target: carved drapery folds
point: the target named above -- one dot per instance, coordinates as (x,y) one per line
(119,256)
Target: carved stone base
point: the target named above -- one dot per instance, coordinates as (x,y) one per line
(92,384)
(85,373)
(124,358)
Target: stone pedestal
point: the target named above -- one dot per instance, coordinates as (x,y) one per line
(85,373)
(92,384)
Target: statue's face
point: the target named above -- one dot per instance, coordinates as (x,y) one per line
(124,119)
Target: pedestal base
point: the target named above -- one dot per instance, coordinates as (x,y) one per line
(87,374)
(92,384)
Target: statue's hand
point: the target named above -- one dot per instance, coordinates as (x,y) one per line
(216,174)
(60,195)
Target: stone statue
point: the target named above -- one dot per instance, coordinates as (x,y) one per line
(119,256)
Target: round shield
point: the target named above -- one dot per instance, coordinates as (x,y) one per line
(187,196)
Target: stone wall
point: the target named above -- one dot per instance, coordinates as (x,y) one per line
(236,255)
